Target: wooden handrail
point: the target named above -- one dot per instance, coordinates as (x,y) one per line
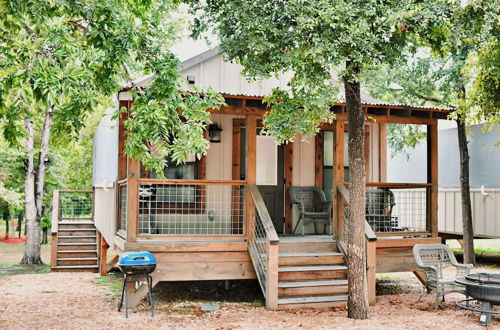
(395,185)
(55,211)
(369,234)
(343,191)
(76,191)
(267,223)
(194,182)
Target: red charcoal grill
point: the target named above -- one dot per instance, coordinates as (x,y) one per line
(484,288)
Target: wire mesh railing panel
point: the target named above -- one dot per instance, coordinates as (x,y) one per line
(75,205)
(123,207)
(259,250)
(191,209)
(396,209)
(343,223)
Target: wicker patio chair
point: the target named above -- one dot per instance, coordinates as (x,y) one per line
(433,259)
(313,207)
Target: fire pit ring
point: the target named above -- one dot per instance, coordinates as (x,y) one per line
(484,288)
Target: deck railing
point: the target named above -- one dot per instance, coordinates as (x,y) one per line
(190,207)
(75,204)
(342,236)
(122,207)
(398,209)
(263,244)
(69,206)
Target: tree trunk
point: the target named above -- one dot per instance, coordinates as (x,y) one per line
(45,236)
(6,219)
(468,232)
(32,248)
(19,223)
(44,149)
(357,305)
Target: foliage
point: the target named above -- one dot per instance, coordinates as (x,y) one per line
(401,137)
(311,39)
(485,93)
(67,56)
(460,51)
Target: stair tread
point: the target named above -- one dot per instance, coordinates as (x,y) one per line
(310,268)
(89,243)
(298,284)
(76,251)
(76,259)
(75,267)
(315,299)
(308,254)
(76,229)
(306,239)
(76,222)
(93,236)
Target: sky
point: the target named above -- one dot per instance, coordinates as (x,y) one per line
(188,48)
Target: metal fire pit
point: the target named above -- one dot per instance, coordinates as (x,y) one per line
(484,288)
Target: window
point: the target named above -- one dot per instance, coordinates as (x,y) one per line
(328,162)
(179,196)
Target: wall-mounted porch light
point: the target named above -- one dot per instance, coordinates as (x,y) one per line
(214,133)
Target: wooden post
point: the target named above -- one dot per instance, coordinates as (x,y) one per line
(318,159)
(338,172)
(371,270)
(54,229)
(132,199)
(432,178)
(251,168)
(383,152)
(288,183)
(103,255)
(251,148)
(53,250)
(272,276)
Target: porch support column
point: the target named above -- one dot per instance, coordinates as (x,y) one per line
(251,148)
(251,169)
(432,178)
(338,171)
(383,152)
(132,199)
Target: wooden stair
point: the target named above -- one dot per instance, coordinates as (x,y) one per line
(76,247)
(311,273)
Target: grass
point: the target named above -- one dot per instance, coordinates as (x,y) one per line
(16,269)
(257,303)
(481,246)
(112,282)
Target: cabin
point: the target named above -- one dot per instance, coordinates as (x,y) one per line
(229,215)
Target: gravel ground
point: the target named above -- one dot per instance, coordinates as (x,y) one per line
(72,300)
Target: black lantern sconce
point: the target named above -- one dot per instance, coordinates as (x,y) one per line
(214,133)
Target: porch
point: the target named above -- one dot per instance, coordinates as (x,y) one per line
(223,224)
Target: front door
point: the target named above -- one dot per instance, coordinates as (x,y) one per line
(273,194)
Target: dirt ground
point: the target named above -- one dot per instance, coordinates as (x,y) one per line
(81,301)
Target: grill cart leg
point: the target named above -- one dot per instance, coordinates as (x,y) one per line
(485,318)
(150,295)
(120,304)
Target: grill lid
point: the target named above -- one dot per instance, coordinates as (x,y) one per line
(139,258)
(484,278)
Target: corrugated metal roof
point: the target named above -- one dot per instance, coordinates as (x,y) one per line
(364,102)
(366,98)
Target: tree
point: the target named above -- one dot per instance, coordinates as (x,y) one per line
(312,39)
(440,75)
(60,59)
